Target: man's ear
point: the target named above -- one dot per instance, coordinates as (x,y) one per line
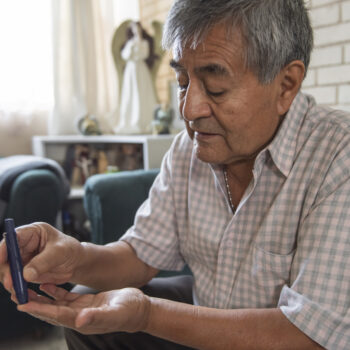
(290,80)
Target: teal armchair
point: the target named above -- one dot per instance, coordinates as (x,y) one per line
(31,189)
(111,201)
(35,195)
(30,195)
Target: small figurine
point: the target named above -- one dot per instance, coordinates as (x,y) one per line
(82,165)
(102,162)
(132,158)
(137,57)
(88,125)
(163,115)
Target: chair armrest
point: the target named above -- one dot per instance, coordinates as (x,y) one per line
(36,195)
(111,201)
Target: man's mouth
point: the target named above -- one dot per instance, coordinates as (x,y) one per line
(204,133)
(201,135)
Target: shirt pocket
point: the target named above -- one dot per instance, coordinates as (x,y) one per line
(269,273)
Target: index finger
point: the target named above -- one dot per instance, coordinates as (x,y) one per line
(30,237)
(51,311)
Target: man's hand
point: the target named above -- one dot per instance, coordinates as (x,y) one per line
(118,310)
(48,255)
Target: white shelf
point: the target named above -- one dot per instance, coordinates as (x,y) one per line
(100,138)
(153,148)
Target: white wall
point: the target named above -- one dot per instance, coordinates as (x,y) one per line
(126,9)
(328,79)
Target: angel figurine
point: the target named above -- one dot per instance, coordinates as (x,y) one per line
(137,94)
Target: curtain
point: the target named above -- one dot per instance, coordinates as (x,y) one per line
(85,81)
(26,97)
(56,66)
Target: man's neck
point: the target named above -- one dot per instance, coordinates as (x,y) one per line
(239,176)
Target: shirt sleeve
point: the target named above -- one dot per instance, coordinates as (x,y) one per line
(317,301)
(154,235)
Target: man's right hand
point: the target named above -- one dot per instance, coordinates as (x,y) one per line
(48,255)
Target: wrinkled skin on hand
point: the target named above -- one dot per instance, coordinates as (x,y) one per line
(118,310)
(51,257)
(48,255)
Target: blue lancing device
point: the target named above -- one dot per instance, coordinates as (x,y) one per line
(16,267)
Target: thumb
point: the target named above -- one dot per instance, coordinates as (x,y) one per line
(30,274)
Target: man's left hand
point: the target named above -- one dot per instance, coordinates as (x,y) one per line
(118,310)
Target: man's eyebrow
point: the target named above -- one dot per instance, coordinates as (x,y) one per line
(175,65)
(213,68)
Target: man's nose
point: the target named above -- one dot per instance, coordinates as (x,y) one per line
(195,103)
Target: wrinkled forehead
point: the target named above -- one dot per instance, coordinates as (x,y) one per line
(232,35)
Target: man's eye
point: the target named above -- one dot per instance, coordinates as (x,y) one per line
(182,87)
(215,94)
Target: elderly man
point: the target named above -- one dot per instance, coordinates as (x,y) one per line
(254,196)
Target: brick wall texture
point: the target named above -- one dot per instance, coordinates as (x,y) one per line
(328,78)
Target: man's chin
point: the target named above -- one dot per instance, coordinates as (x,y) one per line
(206,155)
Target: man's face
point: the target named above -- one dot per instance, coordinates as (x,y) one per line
(229,115)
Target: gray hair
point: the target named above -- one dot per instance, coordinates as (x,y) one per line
(275,32)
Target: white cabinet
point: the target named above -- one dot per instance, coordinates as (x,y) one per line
(125,152)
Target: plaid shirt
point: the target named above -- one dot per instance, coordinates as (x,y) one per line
(288,243)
